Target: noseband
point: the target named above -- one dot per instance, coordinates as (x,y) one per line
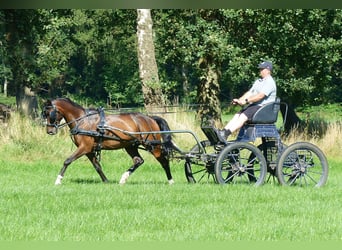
(53,116)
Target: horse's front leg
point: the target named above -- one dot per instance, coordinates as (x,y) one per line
(92,157)
(77,154)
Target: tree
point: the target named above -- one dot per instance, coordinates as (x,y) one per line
(193,48)
(304,45)
(148,70)
(203,56)
(21,30)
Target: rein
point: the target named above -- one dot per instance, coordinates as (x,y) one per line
(57,126)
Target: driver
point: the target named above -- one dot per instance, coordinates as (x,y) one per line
(263,91)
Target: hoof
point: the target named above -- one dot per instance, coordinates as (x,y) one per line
(171,182)
(124,178)
(59,180)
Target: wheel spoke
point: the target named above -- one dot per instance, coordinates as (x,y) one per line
(198,170)
(303,164)
(240,162)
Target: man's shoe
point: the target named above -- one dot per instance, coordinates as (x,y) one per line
(221,135)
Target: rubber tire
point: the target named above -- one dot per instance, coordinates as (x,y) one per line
(201,173)
(303,176)
(239,175)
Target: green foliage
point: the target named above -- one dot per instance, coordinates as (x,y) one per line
(92,52)
(328,112)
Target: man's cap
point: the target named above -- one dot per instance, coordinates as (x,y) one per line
(265,65)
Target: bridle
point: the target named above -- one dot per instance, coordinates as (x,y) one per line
(53,116)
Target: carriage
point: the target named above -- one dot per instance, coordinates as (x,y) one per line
(230,162)
(240,161)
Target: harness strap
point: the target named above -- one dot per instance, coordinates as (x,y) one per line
(102,127)
(101,130)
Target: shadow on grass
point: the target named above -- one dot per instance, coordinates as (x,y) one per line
(90,181)
(116,182)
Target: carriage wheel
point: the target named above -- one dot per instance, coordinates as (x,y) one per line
(302,164)
(241,162)
(197,170)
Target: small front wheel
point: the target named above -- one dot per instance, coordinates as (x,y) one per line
(302,164)
(241,162)
(197,170)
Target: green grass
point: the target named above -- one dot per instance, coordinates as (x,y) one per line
(7,100)
(328,112)
(146,208)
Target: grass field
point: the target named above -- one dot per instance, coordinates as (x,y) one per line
(146,208)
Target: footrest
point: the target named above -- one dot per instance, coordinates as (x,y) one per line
(211,134)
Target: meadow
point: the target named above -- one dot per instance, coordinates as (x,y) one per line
(147,208)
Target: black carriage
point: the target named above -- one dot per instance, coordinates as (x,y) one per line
(240,161)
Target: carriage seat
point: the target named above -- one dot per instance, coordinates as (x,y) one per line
(267,114)
(262,123)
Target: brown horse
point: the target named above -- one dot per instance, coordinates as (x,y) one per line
(92,131)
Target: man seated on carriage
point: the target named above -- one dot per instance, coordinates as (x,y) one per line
(262,92)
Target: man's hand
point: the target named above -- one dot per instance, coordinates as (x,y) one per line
(238,102)
(235,101)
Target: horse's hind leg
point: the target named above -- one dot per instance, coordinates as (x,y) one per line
(166,166)
(137,161)
(92,157)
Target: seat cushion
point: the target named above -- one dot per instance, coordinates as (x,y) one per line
(267,114)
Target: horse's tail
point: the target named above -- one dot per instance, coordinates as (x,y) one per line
(167,137)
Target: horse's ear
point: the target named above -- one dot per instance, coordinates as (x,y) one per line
(45,103)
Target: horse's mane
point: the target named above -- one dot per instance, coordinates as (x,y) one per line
(71,102)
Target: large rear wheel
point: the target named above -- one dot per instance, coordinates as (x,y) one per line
(302,164)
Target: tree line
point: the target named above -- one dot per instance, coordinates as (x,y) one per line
(203,56)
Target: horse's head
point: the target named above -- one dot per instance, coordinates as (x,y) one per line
(52,117)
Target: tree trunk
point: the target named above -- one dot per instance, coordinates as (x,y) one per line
(148,70)
(185,84)
(21,60)
(5,87)
(27,102)
(208,93)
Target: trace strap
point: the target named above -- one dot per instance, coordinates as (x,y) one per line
(101,129)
